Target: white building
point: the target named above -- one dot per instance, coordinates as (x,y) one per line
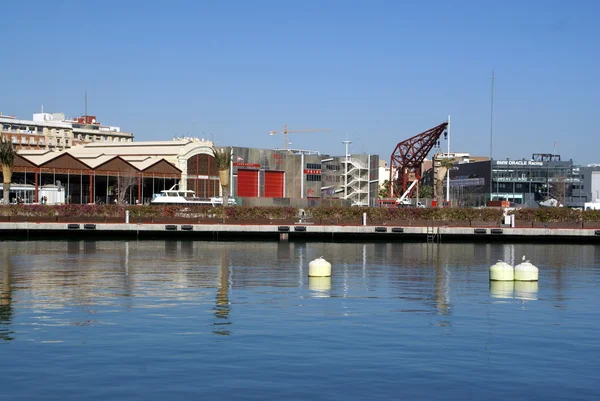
(54,131)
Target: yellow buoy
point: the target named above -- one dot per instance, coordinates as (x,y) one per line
(525,271)
(501,271)
(319,268)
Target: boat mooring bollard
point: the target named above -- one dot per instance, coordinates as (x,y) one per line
(126,216)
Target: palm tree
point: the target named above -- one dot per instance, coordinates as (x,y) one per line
(223,161)
(441,167)
(425,191)
(384,190)
(7,159)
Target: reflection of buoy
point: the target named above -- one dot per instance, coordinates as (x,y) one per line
(502,289)
(526,272)
(320,285)
(526,290)
(319,268)
(501,271)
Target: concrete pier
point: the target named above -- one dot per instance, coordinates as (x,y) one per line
(45,231)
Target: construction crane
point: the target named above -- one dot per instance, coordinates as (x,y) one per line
(408,156)
(286,131)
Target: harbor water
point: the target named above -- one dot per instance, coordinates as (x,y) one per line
(178,320)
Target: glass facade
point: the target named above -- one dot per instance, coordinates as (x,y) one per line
(526,182)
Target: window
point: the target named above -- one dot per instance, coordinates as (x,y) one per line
(334,167)
(313,166)
(313,177)
(505,187)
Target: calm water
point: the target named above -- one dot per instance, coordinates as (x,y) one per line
(232,321)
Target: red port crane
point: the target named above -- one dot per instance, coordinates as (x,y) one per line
(408,156)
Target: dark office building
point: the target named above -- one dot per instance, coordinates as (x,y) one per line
(525,182)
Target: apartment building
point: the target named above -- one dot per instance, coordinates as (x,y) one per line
(55,131)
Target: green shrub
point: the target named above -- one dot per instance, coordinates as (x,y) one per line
(324,214)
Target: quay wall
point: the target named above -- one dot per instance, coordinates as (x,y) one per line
(291,232)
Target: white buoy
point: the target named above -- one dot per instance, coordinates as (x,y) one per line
(319,268)
(501,271)
(525,271)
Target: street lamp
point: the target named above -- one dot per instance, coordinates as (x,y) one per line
(447,135)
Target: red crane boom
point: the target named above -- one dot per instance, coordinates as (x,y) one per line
(408,156)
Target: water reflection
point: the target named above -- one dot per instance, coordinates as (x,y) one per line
(526,290)
(523,290)
(442,286)
(89,247)
(502,289)
(300,251)
(73,247)
(222,304)
(127,280)
(89,276)
(6,309)
(171,248)
(320,287)
(187,249)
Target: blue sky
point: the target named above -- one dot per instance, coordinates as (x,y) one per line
(376,72)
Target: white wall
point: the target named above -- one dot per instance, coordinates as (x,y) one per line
(595,187)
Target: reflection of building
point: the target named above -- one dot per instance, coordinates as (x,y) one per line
(54,131)
(6,308)
(519,181)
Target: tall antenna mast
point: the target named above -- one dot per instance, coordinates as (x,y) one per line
(492,115)
(86,101)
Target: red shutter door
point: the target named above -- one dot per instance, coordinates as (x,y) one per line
(274,184)
(247,183)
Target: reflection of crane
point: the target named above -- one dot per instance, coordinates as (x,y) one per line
(286,131)
(409,155)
